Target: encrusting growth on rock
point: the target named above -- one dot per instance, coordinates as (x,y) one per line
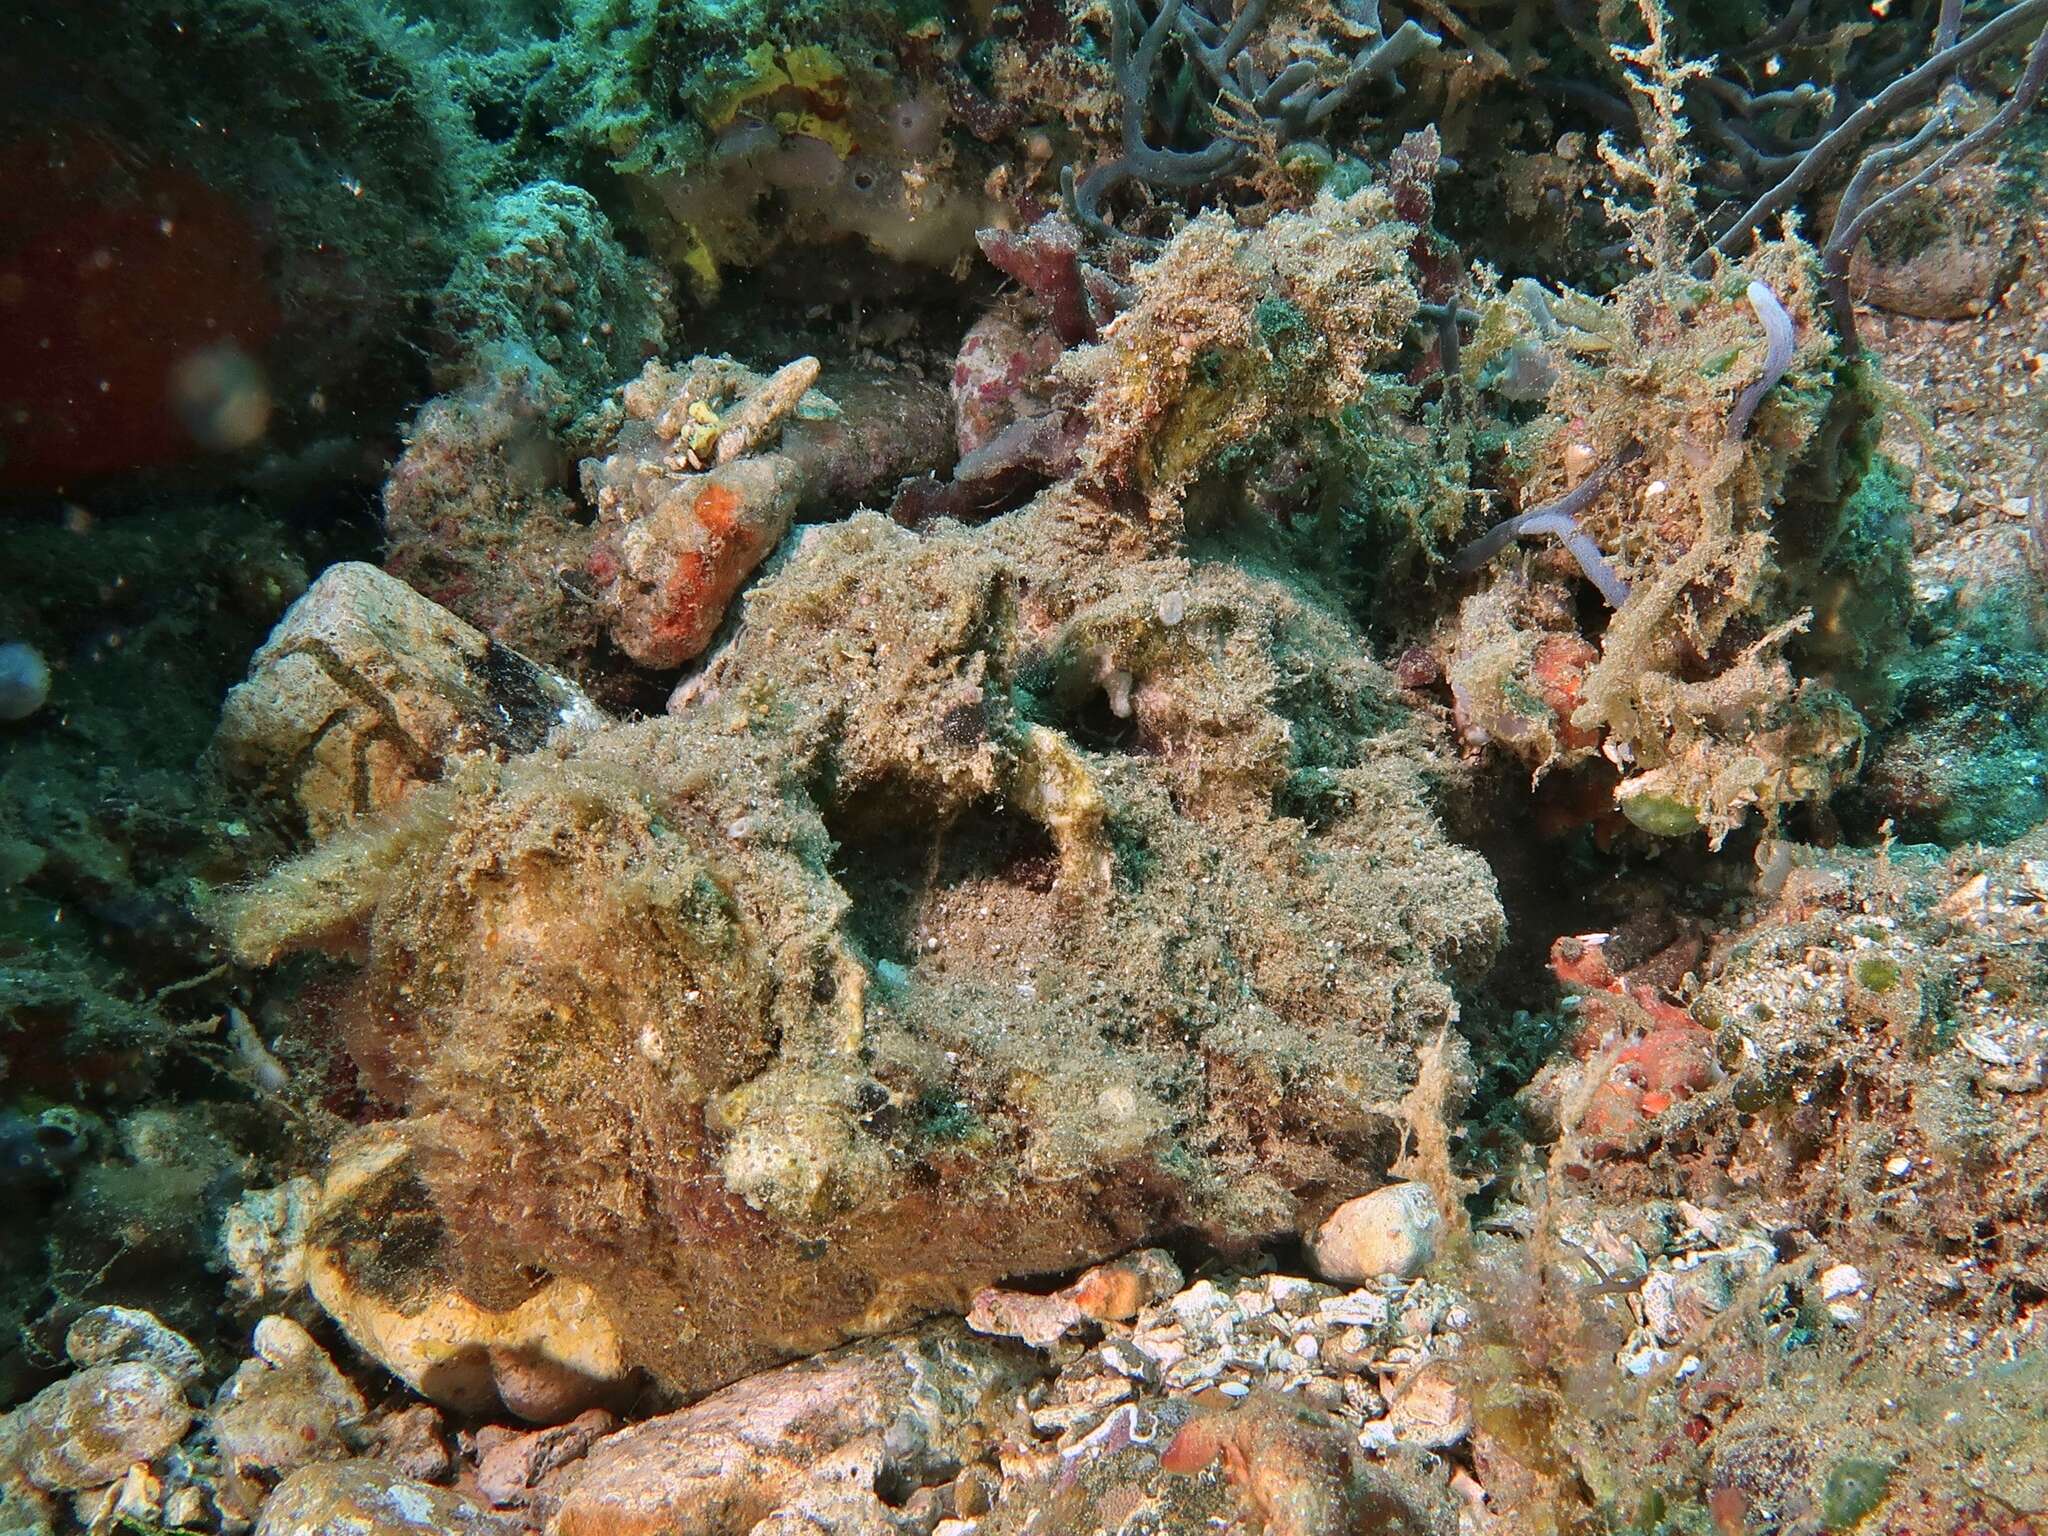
(606,1035)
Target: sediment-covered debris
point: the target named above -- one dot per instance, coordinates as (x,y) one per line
(366,690)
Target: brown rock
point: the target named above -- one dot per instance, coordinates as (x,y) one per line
(477,515)
(365,689)
(1428,1409)
(512,1465)
(25,1509)
(1946,254)
(909,1409)
(366,1498)
(414,1440)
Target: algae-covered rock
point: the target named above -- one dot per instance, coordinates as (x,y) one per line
(1236,333)
(949,931)
(478,515)
(545,280)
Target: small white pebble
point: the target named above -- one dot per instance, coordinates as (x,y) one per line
(1392,1231)
(1643,1358)
(1359,1308)
(1839,1280)
(1289,1292)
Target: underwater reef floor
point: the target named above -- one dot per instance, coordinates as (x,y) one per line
(943,853)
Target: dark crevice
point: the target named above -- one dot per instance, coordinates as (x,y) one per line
(891,873)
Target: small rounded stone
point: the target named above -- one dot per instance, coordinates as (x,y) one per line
(88,1429)
(112,1335)
(371,1500)
(24,680)
(1428,1409)
(1392,1231)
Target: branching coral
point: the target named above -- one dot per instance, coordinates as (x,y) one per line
(1280,109)
(1858,210)
(1758,141)
(1952,53)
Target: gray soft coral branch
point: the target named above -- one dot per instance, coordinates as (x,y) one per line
(1560,518)
(1292,105)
